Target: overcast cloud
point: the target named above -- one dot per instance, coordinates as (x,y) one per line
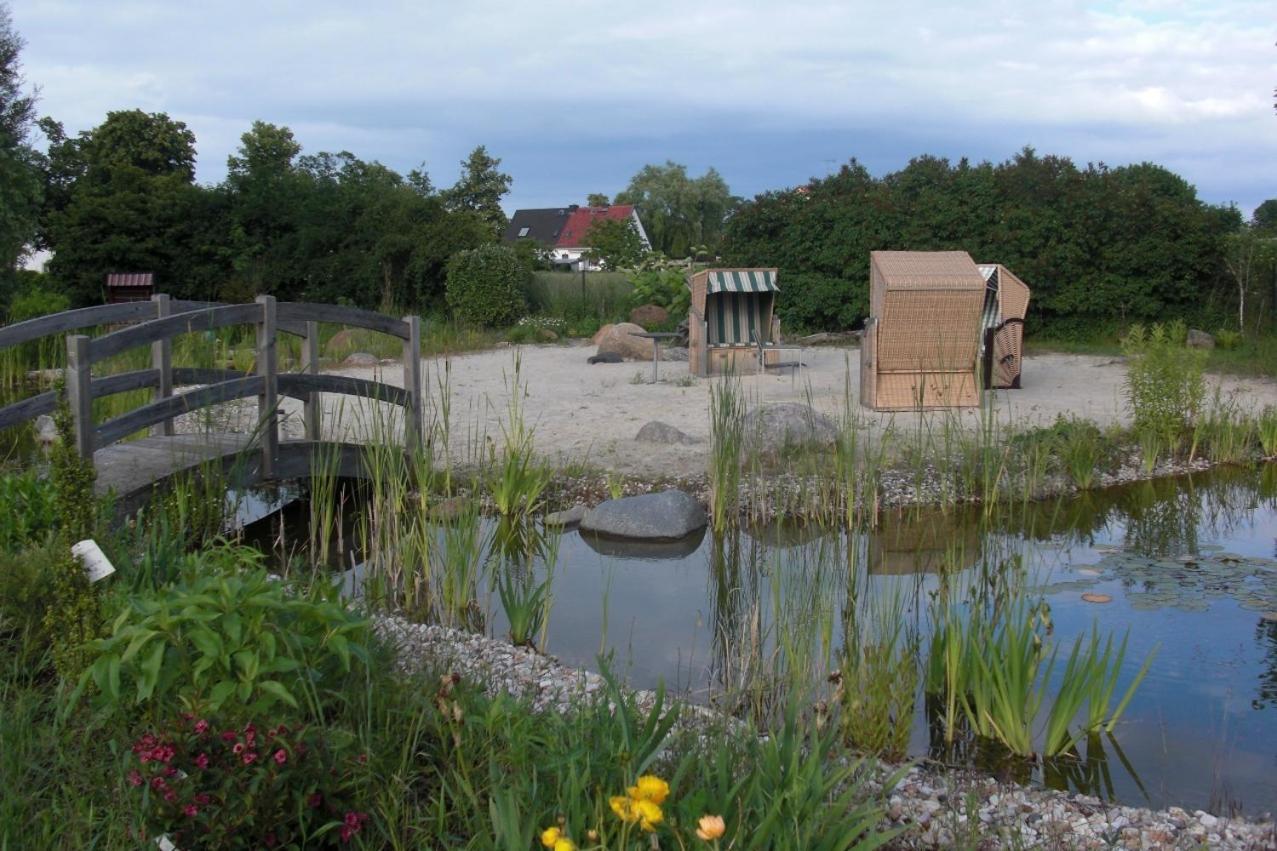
(576,96)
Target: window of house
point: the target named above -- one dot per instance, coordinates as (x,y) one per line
(523,232)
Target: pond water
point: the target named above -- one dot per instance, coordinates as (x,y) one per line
(1188,566)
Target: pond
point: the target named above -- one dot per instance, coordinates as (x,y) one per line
(1187,565)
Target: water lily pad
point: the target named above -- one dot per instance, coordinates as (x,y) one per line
(1097,598)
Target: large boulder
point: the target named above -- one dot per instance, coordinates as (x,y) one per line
(620,339)
(663,433)
(360,359)
(649,315)
(601,333)
(666,516)
(1200,339)
(771,429)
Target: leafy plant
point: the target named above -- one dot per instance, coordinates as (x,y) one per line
(663,286)
(1164,384)
(1228,339)
(234,644)
(28,509)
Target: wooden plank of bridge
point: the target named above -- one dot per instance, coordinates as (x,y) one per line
(127,468)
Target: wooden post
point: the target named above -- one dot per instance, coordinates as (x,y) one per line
(79,386)
(413,421)
(268,400)
(311,409)
(162,362)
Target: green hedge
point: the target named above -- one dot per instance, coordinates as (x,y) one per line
(486,286)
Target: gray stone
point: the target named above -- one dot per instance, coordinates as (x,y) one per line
(569,519)
(771,429)
(1200,339)
(665,516)
(362,359)
(659,432)
(605,357)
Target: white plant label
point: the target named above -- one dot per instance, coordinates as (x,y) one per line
(165,843)
(96,565)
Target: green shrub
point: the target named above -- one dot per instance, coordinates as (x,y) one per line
(808,301)
(26,593)
(486,286)
(232,644)
(28,509)
(1227,339)
(1164,384)
(35,302)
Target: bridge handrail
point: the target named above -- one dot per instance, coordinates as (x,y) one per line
(165,409)
(74,320)
(155,330)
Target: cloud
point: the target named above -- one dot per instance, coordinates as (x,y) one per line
(407,82)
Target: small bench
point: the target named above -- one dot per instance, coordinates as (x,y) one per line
(764,348)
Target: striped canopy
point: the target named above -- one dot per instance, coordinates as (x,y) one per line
(742,281)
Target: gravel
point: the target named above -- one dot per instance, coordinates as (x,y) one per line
(938,809)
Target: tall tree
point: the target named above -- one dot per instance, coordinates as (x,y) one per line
(597,199)
(680,213)
(480,189)
(20,184)
(130,204)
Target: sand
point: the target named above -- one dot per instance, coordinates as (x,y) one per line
(583,414)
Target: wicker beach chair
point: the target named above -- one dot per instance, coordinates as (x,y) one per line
(731,314)
(1005,305)
(922,341)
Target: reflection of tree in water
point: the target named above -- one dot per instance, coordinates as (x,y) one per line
(1266,636)
(1162,516)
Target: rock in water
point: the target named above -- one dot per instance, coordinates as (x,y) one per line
(659,432)
(665,516)
(1200,339)
(771,429)
(649,315)
(620,339)
(569,519)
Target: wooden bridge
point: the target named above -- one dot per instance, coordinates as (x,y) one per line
(133,469)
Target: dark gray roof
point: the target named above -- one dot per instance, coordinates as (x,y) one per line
(542,225)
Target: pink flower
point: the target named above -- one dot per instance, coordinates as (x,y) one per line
(229,736)
(280,757)
(314,800)
(170,796)
(250,757)
(191,810)
(202,798)
(201,761)
(239,748)
(157,783)
(201,726)
(269,840)
(135,778)
(346,833)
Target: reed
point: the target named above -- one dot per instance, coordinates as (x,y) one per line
(879,679)
(517,480)
(1267,431)
(727,437)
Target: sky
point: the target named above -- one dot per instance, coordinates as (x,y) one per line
(575,96)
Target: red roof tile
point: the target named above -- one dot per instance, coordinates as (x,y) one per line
(573,234)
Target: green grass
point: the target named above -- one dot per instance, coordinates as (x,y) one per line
(1256,355)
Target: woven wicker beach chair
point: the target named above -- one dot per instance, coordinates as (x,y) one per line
(1006,302)
(922,341)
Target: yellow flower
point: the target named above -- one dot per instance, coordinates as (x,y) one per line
(623,807)
(650,788)
(550,836)
(649,814)
(710,828)
(565,844)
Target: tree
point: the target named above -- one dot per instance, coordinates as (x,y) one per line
(615,243)
(1265,215)
(20,184)
(597,199)
(480,190)
(679,212)
(486,285)
(1249,253)
(123,199)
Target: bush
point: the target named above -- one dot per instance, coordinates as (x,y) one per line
(486,286)
(809,301)
(256,786)
(1164,384)
(665,288)
(1227,339)
(235,644)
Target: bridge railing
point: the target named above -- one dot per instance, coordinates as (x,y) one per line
(164,318)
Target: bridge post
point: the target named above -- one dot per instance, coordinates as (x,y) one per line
(311,410)
(79,387)
(162,362)
(413,420)
(268,400)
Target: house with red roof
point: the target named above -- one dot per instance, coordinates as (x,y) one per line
(561,230)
